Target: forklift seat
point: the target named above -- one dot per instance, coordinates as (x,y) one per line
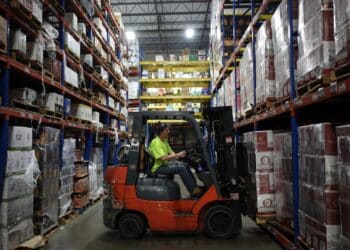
(149,161)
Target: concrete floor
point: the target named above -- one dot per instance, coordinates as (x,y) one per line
(88,232)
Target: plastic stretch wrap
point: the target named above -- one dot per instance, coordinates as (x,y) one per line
(316,40)
(81,185)
(11,238)
(342,31)
(19,41)
(283,168)
(246,79)
(318,181)
(265,70)
(94,189)
(81,169)
(35,50)
(80,200)
(343,134)
(258,147)
(280,37)
(97,159)
(46,194)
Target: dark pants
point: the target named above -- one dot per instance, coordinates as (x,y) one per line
(178,167)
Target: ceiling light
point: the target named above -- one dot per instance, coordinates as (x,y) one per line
(130,35)
(189,33)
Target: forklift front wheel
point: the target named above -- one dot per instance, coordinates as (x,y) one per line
(131,226)
(220,222)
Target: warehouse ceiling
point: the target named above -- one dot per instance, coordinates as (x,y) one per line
(160,24)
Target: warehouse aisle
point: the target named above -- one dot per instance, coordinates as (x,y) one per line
(88,232)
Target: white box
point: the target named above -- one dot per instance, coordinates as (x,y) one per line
(54,102)
(18,186)
(82,28)
(264,160)
(72,20)
(172,58)
(96,116)
(102,72)
(201,52)
(72,44)
(19,41)
(114,123)
(35,50)
(159,58)
(71,77)
(202,58)
(111,102)
(161,73)
(18,161)
(266,203)
(38,10)
(87,59)
(185,58)
(82,112)
(133,89)
(26,95)
(20,137)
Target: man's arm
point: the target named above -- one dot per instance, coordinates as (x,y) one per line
(173,156)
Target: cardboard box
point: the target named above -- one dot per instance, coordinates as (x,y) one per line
(87,59)
(96,116)
(54,102)
(111,103)
(185,58)
(172,58)
(20,137)
(159,58)
(11,238)
(38,10)
(18,161)
(161,73)
(3,33)
(19,41)
(72,20)
(35,50)
(201,52)
(82,28)
(15,211)
(202,58)
(82,111)
(71,77)
(72,44)
(25,95)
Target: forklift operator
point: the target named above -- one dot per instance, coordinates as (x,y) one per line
(166,160)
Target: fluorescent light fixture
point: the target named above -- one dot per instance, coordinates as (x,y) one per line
(189,33)
(130,35)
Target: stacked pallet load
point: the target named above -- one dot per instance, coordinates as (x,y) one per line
(315,46)
(246,81)
(265,69)
(66,177)
(318,183)
(47,145)
(343,140)
(281,44)
(97,159)
(261,185)
(16,203)
(342,34)
(236,96)
(81,183)
(283,169)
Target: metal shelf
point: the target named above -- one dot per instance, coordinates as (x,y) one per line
(175,99)
(190,66)
(176,82)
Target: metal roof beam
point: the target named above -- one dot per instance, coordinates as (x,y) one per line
(115,3)
(170,30)
(167,13)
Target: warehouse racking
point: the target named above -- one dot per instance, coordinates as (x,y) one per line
(324,100)
(15,70)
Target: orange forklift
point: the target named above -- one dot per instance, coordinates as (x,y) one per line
(136,203)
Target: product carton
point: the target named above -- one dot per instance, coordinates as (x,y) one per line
(72,20)
(20,138)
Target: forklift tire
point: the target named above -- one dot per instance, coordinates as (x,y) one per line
(220,222)
(131,226)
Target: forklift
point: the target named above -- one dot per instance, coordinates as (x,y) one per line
(136,203)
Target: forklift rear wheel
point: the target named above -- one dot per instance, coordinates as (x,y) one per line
(220,222)
(131,226)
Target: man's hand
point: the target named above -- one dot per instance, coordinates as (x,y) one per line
(181,154)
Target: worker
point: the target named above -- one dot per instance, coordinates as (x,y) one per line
(166,160)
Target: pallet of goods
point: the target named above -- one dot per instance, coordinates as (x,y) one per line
(261,181)
(246,81)
(16,203)
(265,69)
(315,67)
(319,187)
(47,145)
(281,44)
(343,141)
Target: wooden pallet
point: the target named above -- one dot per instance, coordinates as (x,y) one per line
(36,65)
(36,242)
(25,106)
(312,86)
(22,11)
(73,88)
(81,210)
(85,122)
(48,74)
(343,71)
(53,114)
(261,220)
(19,56)
(248,113)
(281,101)
(67,217)
(72,55)
(94,201)
(72,118)
(88,68)
(265,106)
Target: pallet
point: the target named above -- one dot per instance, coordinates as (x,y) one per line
(72,118)
(71,87)
(343,71)
(86,92)
(85,122)
(81,210)
(94,201)
(265,106)
(88,68)
(36,65)
(67,217)
(50,231)
(248,113)
(25,106)
(262,220)
(48,74)
(312,86)
(36,242)
(22,11)
(281,101)
(19,56)
(53,114)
